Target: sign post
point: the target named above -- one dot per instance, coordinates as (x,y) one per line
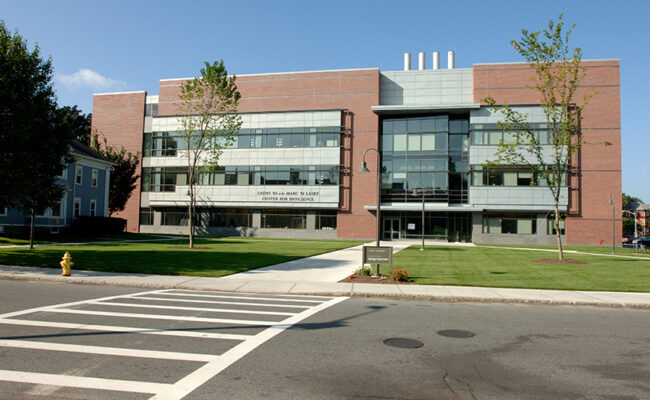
(378,255)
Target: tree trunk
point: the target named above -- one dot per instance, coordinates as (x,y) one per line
(31,231)
(558,232)
(190,222)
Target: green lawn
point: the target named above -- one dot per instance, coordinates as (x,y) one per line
(217,257)
(67,238)
(622,251)
(504,267)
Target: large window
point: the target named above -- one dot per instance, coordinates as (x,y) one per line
(492,135)
(284,219)
(427,154)
(166,179)
(508,176)
(166,144)
(326,220)
(177,216)
(230,217)
(512,223)
(78,178)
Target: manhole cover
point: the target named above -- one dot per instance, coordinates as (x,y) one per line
(403,343)
(456,333)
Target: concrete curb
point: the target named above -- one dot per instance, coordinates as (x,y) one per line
(447,294)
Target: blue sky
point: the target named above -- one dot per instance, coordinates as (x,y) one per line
(106,46)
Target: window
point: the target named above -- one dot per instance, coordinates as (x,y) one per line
(77,207)
(510,223)
(146,216)
(93,179)
(78,178)
(326,220)
(551,225)
(56,209)
(230,218)
(284,219)
(3,210)
(93,207)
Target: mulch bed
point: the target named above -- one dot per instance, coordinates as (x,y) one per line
(187,248)
(372,279)
(556,261)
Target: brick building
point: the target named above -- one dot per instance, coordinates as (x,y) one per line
(293,169)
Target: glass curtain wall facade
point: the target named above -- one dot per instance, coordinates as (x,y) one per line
(427,154)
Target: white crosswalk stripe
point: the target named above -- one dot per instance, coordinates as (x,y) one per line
(176,311)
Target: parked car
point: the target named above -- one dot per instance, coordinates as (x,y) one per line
(627,239)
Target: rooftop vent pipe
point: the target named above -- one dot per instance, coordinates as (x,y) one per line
(436,60)
(421,61)
(450,59)
(407,61)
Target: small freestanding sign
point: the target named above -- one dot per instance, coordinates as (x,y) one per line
(378,255)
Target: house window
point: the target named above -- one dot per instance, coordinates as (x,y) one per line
(62,175)
(93,207)
(78,175)
(94,178)
(77,207)
(3,211)
(56,209)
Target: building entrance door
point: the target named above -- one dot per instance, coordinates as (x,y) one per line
(392,228)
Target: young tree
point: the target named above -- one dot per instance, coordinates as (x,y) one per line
(123,174)
(209,121)
(557,75)
(34,138)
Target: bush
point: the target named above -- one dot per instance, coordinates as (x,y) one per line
(363,271)
(399,274)
(98,225)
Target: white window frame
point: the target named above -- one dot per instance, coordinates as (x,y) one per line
(79,175)
(93,208)
(94,177)
(77,200)
(3,212)
(63,172)
(60,210)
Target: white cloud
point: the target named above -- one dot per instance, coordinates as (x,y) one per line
(89,78)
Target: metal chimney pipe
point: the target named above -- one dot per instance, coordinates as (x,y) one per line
(407,61)
(436,60)
(421,61)
(450,60)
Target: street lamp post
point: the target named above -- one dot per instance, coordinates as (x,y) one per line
(415,193)
(364,169)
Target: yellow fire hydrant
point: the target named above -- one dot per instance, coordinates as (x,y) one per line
(66,264)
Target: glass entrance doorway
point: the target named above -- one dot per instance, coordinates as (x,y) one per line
(392,228)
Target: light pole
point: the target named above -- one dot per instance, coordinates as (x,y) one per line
(415,193)
(364,170)
(633,213)
(611,203)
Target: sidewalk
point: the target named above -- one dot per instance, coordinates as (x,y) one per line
(319,275)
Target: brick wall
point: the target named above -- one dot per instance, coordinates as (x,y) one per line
(600,164)
(353,90)
(120,117)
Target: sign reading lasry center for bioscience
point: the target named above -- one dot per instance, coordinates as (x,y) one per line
(288,195)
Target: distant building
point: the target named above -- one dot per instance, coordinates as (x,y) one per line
(87,181)
(293,169)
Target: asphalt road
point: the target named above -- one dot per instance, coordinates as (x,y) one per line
(206,345)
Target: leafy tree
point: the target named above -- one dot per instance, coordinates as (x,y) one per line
(630,200)
(208,106)
(78,122)
(123,174)
(557,75)
(34,139)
